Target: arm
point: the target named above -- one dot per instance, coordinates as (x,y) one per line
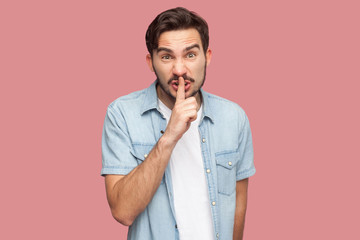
(129,195)
(240,210)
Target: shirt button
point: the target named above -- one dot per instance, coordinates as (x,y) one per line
(217,235)
(145,155)
(162,132)
(203,140)
(213,203)
(208,170)
(230,163)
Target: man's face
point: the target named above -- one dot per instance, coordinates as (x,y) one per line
(179,53)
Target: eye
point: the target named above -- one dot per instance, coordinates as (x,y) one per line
(191,55)
(166,57)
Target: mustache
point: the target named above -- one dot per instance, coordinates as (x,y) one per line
(185,77)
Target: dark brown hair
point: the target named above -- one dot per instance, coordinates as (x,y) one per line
(176,19)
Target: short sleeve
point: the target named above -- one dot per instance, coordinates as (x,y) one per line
(245,165)
(116,145)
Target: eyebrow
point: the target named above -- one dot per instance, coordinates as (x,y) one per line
(185,50)
(191,47)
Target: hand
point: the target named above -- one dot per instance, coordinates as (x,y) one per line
(183,113)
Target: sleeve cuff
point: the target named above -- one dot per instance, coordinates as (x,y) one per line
(245,174)
(117,171)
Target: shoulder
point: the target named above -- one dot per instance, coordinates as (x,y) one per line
(222,107)
(130,101)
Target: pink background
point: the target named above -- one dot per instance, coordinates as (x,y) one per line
(292,65)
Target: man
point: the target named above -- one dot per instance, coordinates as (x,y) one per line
(176,159)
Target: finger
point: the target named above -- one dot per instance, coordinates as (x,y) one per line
(191,119)
(180,94)
(190,115)
(187,105)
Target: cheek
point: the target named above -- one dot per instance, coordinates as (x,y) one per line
(198,69)
(162,69)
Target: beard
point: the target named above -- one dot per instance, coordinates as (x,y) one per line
(166,89)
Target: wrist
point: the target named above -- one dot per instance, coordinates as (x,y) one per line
(166,141)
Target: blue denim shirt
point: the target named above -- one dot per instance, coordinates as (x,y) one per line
(133,124)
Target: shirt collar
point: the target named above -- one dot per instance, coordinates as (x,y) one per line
(150,101)
(207,110)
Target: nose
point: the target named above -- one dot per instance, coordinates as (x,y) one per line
(179,68)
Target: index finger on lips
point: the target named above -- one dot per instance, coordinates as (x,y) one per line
(180,94)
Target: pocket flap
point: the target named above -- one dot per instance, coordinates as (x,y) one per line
(227,159)
(141,151)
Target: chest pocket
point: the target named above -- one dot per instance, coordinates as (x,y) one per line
(141,151)
(226,171)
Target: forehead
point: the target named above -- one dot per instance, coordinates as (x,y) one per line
(179,38)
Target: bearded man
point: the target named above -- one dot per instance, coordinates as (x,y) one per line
(177,159)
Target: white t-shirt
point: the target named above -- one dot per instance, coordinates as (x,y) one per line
(190,189)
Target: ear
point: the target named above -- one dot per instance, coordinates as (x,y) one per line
(149,62)
(208,56)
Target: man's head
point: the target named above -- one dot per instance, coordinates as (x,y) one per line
(178,41)
(176,19)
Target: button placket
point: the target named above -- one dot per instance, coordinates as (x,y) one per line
(203,129)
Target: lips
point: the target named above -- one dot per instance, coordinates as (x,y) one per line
(175,84)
